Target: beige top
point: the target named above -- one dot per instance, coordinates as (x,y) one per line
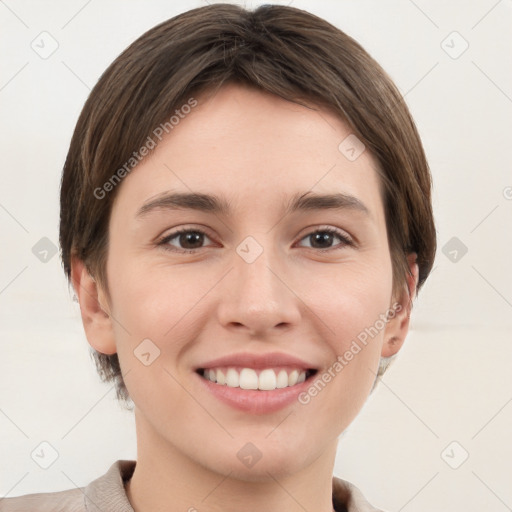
(107,494)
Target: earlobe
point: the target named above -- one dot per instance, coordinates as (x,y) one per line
(93,308)
(398,325)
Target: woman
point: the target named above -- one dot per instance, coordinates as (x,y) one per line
(245,219)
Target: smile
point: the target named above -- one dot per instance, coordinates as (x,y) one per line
(267,379)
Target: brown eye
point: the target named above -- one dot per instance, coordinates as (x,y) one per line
(188,240)
(322,239)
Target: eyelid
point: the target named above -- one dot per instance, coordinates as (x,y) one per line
(347,240)
(163,240)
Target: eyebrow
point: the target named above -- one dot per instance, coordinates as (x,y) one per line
(213,204)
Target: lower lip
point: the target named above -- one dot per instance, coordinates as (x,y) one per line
(256,401)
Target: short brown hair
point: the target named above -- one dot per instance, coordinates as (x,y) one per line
(282,50)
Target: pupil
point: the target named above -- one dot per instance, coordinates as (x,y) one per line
(325,237)
(195,237)
(188,238)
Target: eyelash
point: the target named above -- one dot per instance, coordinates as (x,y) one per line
(164,242)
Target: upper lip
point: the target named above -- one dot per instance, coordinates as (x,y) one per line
(258,361)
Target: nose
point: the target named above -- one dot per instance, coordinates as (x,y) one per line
(258,296)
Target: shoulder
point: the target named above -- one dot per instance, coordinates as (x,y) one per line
(105,493)
(347,497)
(71,500)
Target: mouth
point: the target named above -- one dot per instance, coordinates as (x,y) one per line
(260,379)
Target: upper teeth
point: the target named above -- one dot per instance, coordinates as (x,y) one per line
(248,378)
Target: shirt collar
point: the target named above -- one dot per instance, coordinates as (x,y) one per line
(108,492)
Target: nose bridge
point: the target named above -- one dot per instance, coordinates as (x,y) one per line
(254,266)
(257,296)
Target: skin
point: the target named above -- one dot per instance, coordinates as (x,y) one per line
(256,150)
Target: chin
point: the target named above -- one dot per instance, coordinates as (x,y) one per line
(261,461)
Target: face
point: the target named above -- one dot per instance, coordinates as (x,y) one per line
(286,288)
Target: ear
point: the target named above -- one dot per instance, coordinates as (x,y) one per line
(398,324)
(93,308)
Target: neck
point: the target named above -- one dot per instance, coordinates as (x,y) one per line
(165,479)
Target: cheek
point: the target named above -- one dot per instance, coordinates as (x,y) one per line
(146,295)
(352,309)
(154,299)
(352,297)
(161,303)
(151,330)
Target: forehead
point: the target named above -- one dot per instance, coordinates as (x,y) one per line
(250,147)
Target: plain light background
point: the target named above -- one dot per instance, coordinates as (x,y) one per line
(449,393)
